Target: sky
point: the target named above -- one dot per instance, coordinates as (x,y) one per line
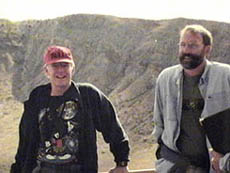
(19,10)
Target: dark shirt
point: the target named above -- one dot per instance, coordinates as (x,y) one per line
(192,140)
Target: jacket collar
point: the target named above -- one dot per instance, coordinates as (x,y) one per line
(72,92)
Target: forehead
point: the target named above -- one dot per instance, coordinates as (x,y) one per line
(189,36)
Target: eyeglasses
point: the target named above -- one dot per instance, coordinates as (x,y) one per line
(189,45)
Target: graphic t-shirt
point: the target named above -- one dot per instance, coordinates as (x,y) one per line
(192,141)
(59,125)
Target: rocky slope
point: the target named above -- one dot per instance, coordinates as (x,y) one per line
(120,56)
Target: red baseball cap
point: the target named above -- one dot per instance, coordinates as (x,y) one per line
(55,54)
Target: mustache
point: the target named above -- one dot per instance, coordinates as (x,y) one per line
(194,60)
(190,55)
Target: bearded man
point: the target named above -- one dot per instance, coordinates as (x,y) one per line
(196,88)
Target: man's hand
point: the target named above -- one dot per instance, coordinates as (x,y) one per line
(119,169)
(215,160)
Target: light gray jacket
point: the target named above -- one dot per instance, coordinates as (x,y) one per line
(214,86)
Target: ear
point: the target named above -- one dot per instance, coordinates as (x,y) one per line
(45,71)
(73,71)
(208,49)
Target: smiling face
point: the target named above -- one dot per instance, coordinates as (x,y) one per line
(192,50)
(60,75)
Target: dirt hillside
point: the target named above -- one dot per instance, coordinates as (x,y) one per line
(121,56)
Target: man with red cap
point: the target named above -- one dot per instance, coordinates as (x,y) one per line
(60,120)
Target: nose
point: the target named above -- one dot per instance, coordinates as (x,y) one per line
(185,49)
(60,69)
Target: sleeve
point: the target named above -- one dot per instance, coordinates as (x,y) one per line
(158,121)
(108,124)
(23,140)
(225,162)
(24,159)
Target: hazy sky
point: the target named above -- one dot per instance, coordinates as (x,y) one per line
(18,10)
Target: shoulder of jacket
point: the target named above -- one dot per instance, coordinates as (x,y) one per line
(218,65)
(173,72)
(40,90)
(221,69)
(171,69)
(90,90)
(87,86)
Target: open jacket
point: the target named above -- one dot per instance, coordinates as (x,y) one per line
(214,86)
(97,114)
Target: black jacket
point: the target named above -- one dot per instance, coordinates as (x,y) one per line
(97,114)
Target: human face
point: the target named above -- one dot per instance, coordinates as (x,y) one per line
(60,75)
(192,51)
